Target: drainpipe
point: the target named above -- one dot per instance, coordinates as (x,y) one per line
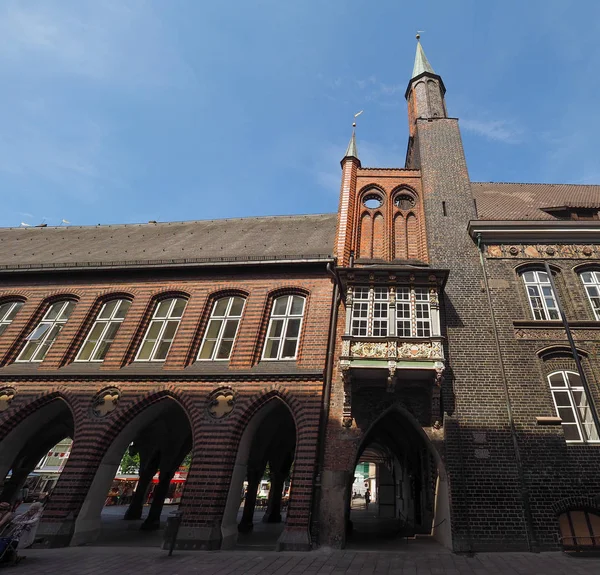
(528,517)
(576,357)
(333,319)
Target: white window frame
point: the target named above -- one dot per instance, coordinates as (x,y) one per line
(591,285)
(286,319)
(223,319)
(107,321)
(539,285)
(9,315)
(159,337)
(366,299)
(45,328)
(570,389)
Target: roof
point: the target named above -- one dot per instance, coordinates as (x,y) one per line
(504,201)
(227,240)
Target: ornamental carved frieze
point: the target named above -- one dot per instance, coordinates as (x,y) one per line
(221,403)
(370,349)
(537,251)
(425,350)
(391,350)
(556,334)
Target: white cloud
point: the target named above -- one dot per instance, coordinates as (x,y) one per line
(496,130)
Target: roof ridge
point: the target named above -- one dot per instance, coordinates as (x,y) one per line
(539,184)
(151,223)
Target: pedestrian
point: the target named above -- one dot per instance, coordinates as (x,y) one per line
(367,498)
(22,495)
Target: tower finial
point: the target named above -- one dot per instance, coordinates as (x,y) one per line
(351,150)
(421,62)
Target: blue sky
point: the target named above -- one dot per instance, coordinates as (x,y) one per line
(119,111)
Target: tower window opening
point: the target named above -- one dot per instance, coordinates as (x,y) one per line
(444,209)
(372,201)
(404,202)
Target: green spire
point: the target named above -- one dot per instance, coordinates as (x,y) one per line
(421,62)
(351,150)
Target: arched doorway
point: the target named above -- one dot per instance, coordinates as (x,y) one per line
(161,438)
(407,486)
(255,513)
(27,444)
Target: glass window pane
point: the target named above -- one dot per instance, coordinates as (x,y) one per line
(566,414)
(154,330)
(297,305)
(162,309)
(108,309)
(86,351)
(543,277)
(237,306)
(221,307)
(170,330)
(557,380)
(207,349)
(225,349)
(123,309)
(3,326)
(272,348)
(289,348)
(55,308)
(571,432)
(280,306)
(111,332)
(293,328)
(66,312)
(562,398)
(213,328)
(230,328)
(13,312)
(4,310)
(145,350)
(39,331)
(28,351)
(96,332)
(586,277)
(179,307)
(276,328)
(574,379)
(102,350)
(162,351)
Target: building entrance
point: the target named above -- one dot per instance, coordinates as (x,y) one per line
(401,494)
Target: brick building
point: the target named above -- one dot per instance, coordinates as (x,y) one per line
(443,329)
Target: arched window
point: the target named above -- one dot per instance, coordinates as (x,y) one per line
(162,329)
(104,330)
(579,528)
(591,283)
(43,336)
(284,327)
(540,294)
(8,311)
(222,328)
(572,406)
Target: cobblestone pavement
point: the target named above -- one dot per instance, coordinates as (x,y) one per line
(122,560)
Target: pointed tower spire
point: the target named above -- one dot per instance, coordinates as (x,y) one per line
(351,150)
(421,62)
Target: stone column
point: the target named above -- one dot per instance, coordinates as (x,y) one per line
(254,476)
(152,522)
(134,511)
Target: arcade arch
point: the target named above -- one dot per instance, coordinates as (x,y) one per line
(268,439)
(410,488)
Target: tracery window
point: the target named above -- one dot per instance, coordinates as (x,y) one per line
(162,329)
(542,299)
(104,330)
(43,336)
(222,328)
(283,332)
(372,312)
(591,283)
(8,311)
(572,406)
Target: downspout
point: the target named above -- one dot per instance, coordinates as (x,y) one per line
(528,517)
(333,319)
(576,357)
